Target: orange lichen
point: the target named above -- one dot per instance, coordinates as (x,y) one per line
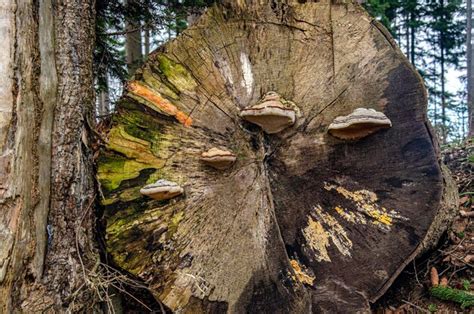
(160,102)
(301,276)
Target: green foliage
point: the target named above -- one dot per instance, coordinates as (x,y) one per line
(466,284)
(461,297)
(159,16)
(382,10)
(432,308)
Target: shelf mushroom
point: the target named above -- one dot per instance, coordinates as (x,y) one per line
(162,190)
(217,158)
(360,123)
(270,114)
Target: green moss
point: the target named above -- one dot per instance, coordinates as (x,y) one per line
(465,299)
(120,226)
(139,142)
(113,169)
(127,233)
(176,74)
(174,223)
(156,84)
(130,194)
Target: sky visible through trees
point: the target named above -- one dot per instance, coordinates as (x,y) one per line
(432,34)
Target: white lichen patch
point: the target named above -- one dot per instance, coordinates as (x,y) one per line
(366,205)
(318,233)
(247,81)
(226,72)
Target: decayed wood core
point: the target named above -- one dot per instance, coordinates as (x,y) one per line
(302,221)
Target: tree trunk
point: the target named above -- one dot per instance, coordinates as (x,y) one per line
(413,37)
(303,221)
(104,101)
(133,42)
(470,70)
(147,42)
(444,120)
(46,182)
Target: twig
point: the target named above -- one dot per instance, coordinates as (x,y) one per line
(455,248)
(416,274)
(455,272)
(416,306)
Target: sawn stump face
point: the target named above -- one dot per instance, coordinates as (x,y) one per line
(302,221)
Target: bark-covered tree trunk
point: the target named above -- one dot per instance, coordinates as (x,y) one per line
(46,181)
(303,221)
(133,41)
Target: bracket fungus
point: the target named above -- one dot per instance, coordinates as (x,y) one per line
(270,114)
(162,190)
(218,159)
(360,123)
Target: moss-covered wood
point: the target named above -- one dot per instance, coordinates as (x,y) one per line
(302,221)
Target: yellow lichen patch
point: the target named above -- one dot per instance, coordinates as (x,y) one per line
(350,216)
(320,231)
(300,274)
(317,239)
(366,203)
(335,231)
(159,102)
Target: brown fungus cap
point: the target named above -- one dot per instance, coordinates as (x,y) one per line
(359,124)
(270,114)
(162,190)
(218,158)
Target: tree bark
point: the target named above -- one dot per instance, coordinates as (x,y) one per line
(303,222)
(47,188)
(133,41)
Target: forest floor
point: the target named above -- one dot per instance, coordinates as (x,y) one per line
(454,258)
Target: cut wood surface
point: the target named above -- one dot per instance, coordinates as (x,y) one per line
(302,221)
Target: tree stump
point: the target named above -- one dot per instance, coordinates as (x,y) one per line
(302,220)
